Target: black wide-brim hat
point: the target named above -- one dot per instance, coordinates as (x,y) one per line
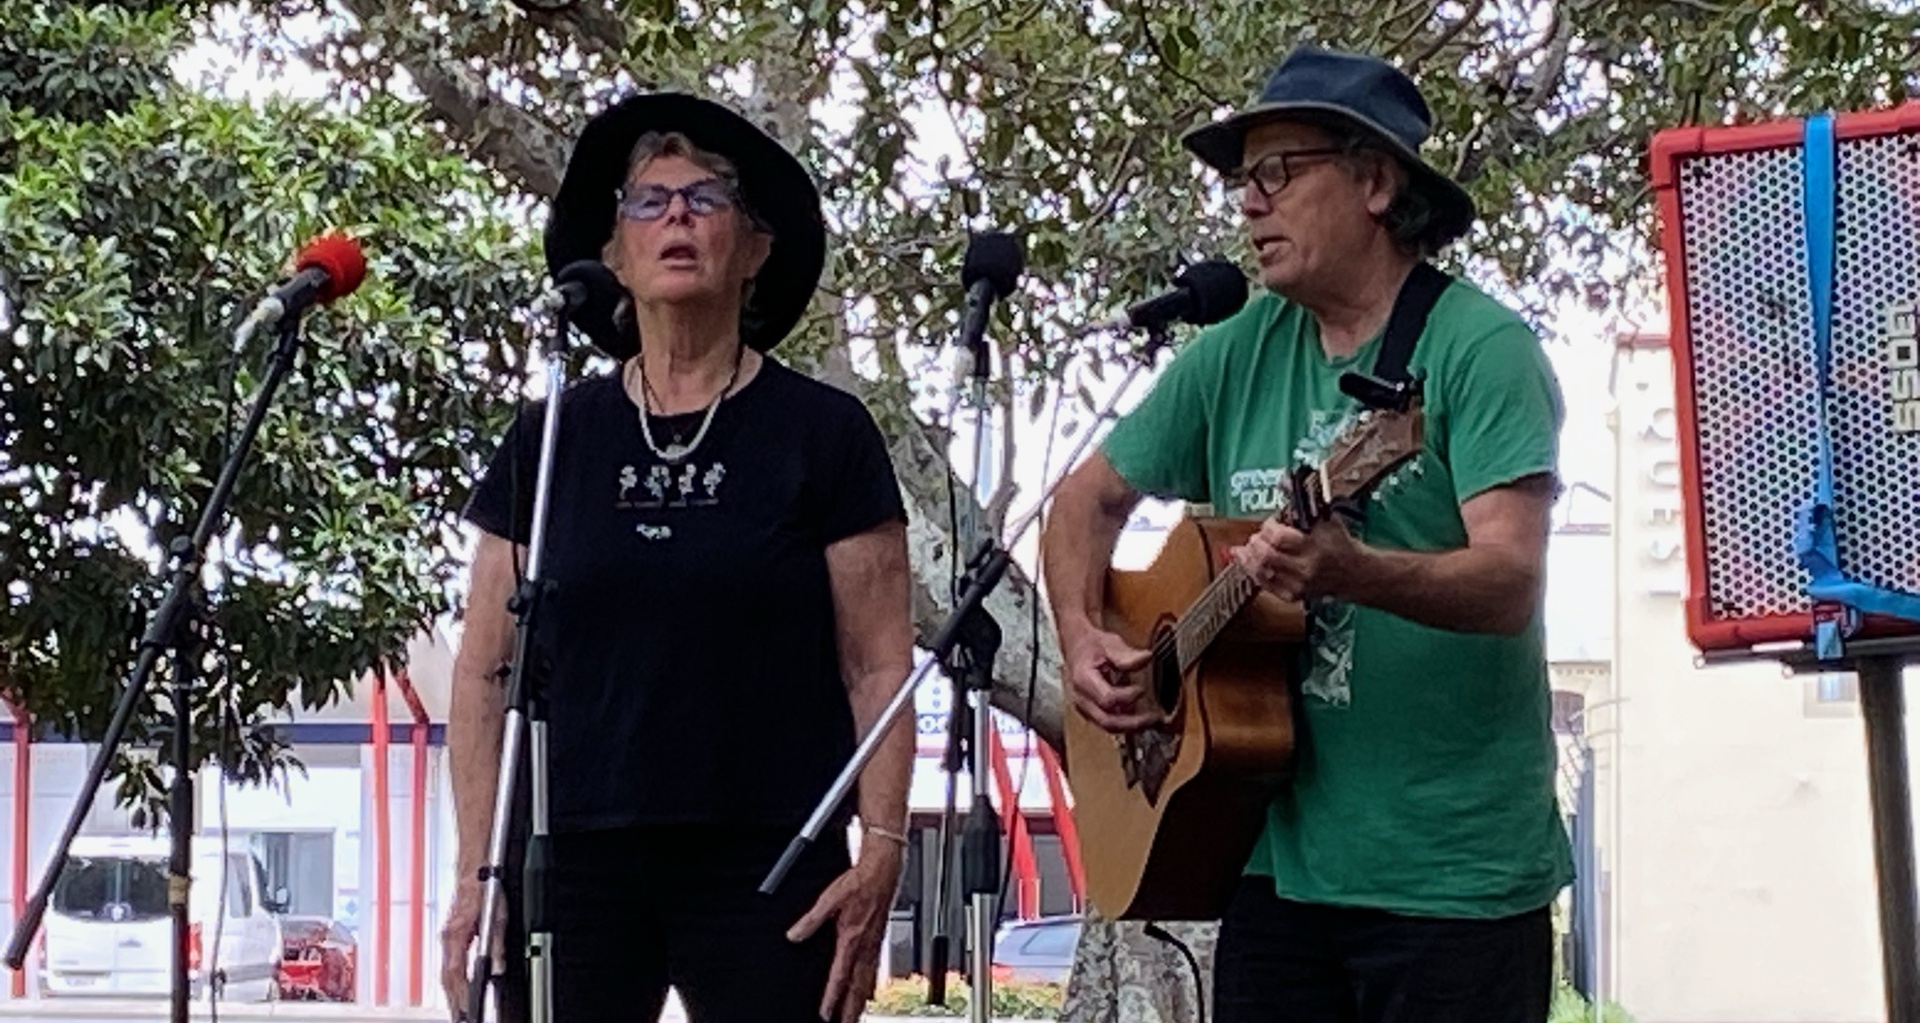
(1315,84)
(773,183)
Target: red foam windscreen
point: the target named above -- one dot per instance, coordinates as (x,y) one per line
(340,256)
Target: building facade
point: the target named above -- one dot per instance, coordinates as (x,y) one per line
(363,834)
(1732,814)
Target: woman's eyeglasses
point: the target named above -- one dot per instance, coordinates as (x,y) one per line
(651,202)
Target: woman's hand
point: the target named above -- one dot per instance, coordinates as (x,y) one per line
(457,936)
(857,902)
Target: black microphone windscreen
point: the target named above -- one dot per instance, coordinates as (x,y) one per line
(995,257)
(602,294)
(1218,288)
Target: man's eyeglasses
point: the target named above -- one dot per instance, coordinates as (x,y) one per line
(651,202)
(1274,171)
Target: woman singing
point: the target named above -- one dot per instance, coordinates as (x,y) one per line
(730,608)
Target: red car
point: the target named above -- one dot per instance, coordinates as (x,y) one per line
(317,960)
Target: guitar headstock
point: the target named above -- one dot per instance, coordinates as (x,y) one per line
(1376,443)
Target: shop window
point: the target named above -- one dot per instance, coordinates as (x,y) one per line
(1832,694)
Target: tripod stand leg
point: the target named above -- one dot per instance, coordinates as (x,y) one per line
(180,822)
(1883,705)
(939,949)
(493,872)
(981,853)
(539,928)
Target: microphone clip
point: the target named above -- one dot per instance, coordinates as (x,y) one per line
(554,301)
(1381,395)
(326,268)
(584,290)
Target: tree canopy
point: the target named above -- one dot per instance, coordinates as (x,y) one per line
(140,214)
(138,220)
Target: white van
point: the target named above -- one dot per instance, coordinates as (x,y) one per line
(107,931)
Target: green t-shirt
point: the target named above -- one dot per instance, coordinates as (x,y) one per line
(1424,778)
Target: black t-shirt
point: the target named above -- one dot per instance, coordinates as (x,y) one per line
(694,673)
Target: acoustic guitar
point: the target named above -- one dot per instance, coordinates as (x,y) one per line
(1168,816)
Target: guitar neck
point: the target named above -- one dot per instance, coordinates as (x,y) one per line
(1217,604)
(1366,452)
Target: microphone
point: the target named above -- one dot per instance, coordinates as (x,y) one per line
(588,294)
(583,289)
(992,266)
(1206,292)
(328,267)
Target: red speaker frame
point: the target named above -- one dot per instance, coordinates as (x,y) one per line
(1668,149)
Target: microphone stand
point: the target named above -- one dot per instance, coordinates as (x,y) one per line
(970,667)
(526,720)
(968,628)
(171,629)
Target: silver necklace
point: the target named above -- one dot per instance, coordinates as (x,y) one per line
(676,451)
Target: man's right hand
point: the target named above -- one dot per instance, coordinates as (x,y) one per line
(457,937)
(1108,684)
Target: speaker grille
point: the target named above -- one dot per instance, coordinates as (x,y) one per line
(1749,312)
(1876,468)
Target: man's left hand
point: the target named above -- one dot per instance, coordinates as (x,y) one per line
(857,902)
(1296,566)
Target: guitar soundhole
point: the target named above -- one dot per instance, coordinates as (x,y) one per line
(1166,672)
(1147,756)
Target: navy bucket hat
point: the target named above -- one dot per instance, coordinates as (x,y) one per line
(1365,91)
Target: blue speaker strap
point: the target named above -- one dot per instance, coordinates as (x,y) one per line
(1818,545)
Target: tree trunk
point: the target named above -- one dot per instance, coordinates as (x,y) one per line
(930,489)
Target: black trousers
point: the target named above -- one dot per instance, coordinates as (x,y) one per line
(1289,962)
(636,910)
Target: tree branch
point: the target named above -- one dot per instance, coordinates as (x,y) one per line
(1420,22)
(495,131)
(1515,118)
(1116,181)
(1446,36)
(1553,65)
(1160,55)
(594,25)
(1502,76)
(1464,154)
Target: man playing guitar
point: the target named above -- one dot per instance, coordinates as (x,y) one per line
(1406,868)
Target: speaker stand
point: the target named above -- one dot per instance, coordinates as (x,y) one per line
(1883,705)
(1878,665)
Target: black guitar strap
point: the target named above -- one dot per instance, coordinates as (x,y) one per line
(1390,386)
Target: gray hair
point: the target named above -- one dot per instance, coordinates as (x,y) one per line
(1412,220)
(655,144)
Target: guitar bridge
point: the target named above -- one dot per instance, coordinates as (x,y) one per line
(1146,758)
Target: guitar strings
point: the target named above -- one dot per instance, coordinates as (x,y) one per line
(1230,578)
